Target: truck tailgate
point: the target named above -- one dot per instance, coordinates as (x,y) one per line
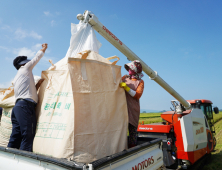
(146,156)
(11,159)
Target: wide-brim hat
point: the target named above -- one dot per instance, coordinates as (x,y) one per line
(136,67)
(126,67)
(132,66)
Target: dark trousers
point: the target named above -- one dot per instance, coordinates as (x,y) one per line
(132,140)
(23,125)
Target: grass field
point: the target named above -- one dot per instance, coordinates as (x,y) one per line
(216,159)
(149,118)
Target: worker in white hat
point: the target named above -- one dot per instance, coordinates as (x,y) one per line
(133,85)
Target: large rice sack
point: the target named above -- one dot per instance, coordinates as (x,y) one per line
(6,126)
(82,111)
(7,102)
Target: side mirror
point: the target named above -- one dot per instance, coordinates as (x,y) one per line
(216,110)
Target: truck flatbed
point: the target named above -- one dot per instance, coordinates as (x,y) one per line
(147,155)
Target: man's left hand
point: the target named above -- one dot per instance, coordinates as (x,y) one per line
(39,84)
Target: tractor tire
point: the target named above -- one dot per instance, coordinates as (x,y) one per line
(215,142)
(210,142)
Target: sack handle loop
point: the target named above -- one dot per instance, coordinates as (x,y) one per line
(113,57)
(84,54)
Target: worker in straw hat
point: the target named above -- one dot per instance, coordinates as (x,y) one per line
(133,85)
(23,114)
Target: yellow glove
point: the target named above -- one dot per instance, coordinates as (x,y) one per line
(122,84)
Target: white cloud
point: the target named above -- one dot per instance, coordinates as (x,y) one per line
(52,15)
(29,52)
(21,34)
(52,23)
(6,84)
(47,51)
(9,58)
(6,27)
(5,48)
(47,13)
(37,47)
(24,52)
(35,35)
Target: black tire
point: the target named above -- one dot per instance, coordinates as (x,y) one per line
(210,144)
(174,166)
(215,142)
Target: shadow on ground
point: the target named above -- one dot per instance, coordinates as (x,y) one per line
(215,163)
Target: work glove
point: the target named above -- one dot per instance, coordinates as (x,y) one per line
(123,85)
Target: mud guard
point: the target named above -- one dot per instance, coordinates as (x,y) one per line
(167,158)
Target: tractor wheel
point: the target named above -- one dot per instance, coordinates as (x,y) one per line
(210,142)
(215,142)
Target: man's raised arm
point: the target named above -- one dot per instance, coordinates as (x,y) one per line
(31,64)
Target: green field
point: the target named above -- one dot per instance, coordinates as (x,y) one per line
(216,159)
(149,118)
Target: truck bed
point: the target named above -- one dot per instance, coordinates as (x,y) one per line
(148,154)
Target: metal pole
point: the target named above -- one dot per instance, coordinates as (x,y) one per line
(108,35)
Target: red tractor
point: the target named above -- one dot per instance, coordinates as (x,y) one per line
(187,135)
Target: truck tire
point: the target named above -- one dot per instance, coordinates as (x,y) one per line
(174,166)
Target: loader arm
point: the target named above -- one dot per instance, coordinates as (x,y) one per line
(90,18)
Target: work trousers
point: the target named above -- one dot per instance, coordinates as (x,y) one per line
(23,125)
(132,140)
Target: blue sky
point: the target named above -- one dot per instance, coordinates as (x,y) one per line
(181,40)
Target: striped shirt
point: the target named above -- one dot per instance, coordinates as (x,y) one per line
(24,84)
